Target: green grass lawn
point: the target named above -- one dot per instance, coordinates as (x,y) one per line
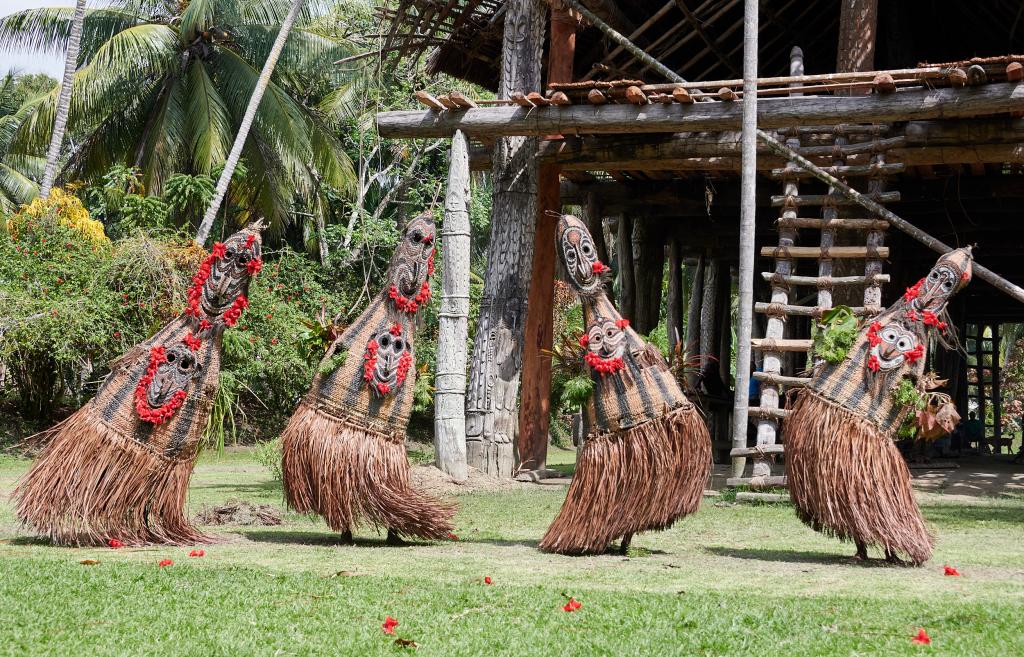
(731,580)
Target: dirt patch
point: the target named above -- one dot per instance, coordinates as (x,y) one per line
(429,479)
(239,512)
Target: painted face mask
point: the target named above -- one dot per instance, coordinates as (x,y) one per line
(892,345)
(412,265)
(219,290)
(605,341)
(579,256)
(387,361)
(164,386)
(949,275)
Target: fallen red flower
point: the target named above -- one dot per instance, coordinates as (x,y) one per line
(951,571)
(197,553)
(166,562)
(572,605)
(487,580)
(922,638)
(389,625)
(452,536)
(114,543)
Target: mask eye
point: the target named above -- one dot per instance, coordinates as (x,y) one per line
(171,357)
(586,249)
(889,335)
(244,257)
(947,284)
(610,333)
(384,340)
(185,364)
(399,345)
(417,236)
(904,344)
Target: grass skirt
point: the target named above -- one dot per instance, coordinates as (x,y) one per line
(848,480)
(349,474)
(645,477)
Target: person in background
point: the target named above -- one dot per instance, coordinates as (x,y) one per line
(974,432)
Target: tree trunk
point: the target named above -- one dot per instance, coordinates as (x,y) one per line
(453,320)
(724,326)
(708,319)
(247,120)
(595,224)
(649,265)
(674,311)
(491,413)
(695,302)
(63,101)
(627,282)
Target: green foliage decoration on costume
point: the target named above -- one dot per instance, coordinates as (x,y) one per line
(835,334)
(333,363)
(576,392)
(907,394)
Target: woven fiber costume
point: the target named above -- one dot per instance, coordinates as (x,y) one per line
(343,450)
(119,467)
(647,455)
(845,475)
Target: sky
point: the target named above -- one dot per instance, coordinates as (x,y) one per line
(32,62)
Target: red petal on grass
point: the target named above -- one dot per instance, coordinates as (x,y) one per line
(453,536)
(389,625)
(197,553)
(922,638)
(572,605)
(166,562)
(114,543)
(487,580)
(951,571)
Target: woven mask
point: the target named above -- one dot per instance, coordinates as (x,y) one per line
(950,274)
(411,265)
(579,256)
(387,360)
(218,294)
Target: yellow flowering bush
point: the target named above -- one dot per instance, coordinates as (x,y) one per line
(68,210)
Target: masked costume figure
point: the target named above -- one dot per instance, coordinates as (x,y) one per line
(343,450)
(647,455)
(845,475)
(119,467)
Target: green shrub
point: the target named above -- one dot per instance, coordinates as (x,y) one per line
(268,454)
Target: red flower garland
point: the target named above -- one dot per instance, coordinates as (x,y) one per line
(914,354)
(873,330)
(914,291)
(604,366)
(395,330)
(599,267)
(370,360)
(584,340)
(404,363)
(406,304)
(430,263)
(873,364)
(192,342)
(623,324)
(232,314)
(156,416)
(199,280)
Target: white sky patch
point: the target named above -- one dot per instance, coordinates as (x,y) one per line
(28,61)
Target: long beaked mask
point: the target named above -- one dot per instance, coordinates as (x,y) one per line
(412,265)
(219,290)
(579,256)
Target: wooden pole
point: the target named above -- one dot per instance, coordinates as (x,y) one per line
(627,279)
(773,113)
(694,303)
(858,26)
(853,195)
(674,311)
(535,404)
(748,216)
(453,319)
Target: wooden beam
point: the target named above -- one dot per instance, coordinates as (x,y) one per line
(772,113)
(858,27)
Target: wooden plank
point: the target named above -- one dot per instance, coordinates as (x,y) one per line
(847,171)
(766,413)
(816,252)
(757,482)
(772,113)
(830,200)
(429,100)
(850,224)
(462,100)
(778,379)
(781,344)
(808,311)
(757,451)
(815,281)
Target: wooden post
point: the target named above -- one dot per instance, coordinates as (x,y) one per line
(748,218)
(627,282)
(595,224)
(535,406)
(491,410)
(694,303)
(453,319)
(674,311)
(708,319)
(858,27)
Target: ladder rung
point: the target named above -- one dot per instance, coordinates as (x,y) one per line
(777,379)
(831,253)
(757,482)
(845,129)
(823,281)
(764,413)
(809,311)
(757,450)
(851,224)
(844,171)
(781,344)
(831,199)
(879,146)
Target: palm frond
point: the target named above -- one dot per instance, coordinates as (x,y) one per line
(210,126)
(48,29)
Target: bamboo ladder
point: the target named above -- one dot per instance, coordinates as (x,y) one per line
(781,368)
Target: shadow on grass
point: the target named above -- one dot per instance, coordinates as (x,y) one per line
(566,469)
(953,515)
(320,538)
(235,490)
(795,556)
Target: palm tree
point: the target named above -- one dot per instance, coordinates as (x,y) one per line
(243,130)
(161,85)
(18,171)
(64,100)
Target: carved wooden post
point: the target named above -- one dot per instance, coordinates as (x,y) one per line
(450,399)
(535,408)
(491,412)
(674,311)
(695,302)
(858,25)
(627,281)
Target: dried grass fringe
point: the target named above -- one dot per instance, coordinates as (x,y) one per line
(643,478)
(91,484)
(349,475)
(848,480)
